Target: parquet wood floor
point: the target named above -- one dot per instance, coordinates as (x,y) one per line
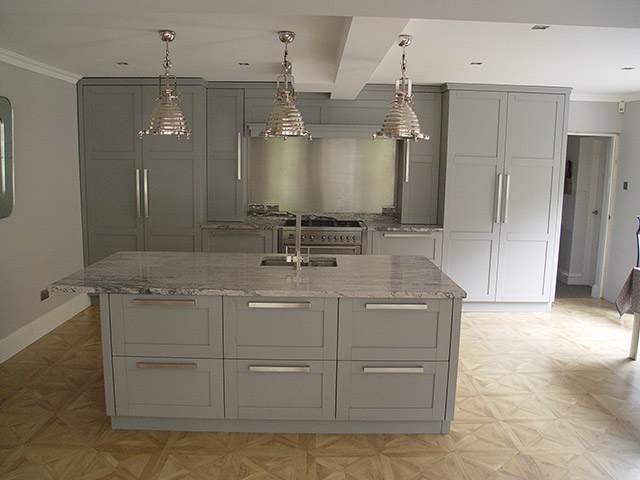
(540,396)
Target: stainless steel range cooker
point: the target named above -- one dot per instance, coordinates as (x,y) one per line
(324,235)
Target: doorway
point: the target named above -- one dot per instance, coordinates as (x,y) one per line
(585,215)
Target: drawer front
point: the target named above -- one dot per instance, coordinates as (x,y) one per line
(280,328)
(237,241)
(409,243)
(394,329)
(280,389)
(166,326)
(168,387)
(391,390)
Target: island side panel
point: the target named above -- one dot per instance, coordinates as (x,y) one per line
(107,364)
(456,318)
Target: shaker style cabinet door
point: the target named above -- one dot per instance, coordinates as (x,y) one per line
(111,119)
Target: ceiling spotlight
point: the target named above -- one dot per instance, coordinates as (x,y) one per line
(122,63)
(628,68)
(540,27)
(477,63)
(401,123)
(167,118)
(244,64)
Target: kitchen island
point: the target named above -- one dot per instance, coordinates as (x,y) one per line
(219,342)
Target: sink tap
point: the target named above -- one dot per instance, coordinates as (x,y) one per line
(298,258)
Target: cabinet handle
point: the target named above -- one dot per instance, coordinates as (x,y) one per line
(507,188)
(138,210)
(3,182)
(164,303)
(145,190)
(408,235)
(498,199)
(407,159)
(396,306)
(239,160)
(167,366)
(279,305)
(278,369)
(393,369)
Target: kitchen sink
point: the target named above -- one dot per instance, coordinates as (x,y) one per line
(313,262)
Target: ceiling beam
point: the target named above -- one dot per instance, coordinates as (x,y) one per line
(364,44)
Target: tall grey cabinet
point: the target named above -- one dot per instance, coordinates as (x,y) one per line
(144,194)
(504,153)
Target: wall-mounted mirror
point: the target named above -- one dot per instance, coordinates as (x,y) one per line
(6,158)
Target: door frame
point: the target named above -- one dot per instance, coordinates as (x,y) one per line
(611,165)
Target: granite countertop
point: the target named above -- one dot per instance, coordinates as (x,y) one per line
(373,222)
(240,274)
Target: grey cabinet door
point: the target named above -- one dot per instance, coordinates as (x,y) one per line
(476,130)
(226,155)
(428,244)
(418,191)
(112,157)
(237,241)
(534,143)
(176,170)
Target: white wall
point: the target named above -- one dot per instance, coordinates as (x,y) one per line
(622,256)
(594,117)
(41,241)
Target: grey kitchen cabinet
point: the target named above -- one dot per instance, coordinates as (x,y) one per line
(428,244)
(239,241)
(504,161)
(226,155)
(139,194)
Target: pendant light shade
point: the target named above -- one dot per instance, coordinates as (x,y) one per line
(285,119)
(167,118)
(401,122)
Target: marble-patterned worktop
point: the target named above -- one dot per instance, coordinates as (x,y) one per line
(240,274)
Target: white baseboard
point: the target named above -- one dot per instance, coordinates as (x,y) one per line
(506,306)
(39,327)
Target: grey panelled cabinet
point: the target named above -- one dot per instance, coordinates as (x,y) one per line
(226,155)
(140,194)
(428,244)
(504,158)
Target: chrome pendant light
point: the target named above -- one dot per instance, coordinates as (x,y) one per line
(167,118)
(285,119)
(401,122)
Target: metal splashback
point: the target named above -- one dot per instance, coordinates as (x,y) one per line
(324,175)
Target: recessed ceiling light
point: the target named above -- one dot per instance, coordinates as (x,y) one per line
(122,63)
(477,63)
(244,64)
(628,68)
(540,27)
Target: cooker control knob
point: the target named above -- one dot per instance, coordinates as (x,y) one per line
(335,237)
(323,237)
(311,237)
(341,237)
(303,237)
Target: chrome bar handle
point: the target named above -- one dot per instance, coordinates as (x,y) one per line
(393,369)
(505,215)
(396,306)
(138,209)
(167,366)
(408,235)
(239,160)
(299,305)
(164,303)
(3,176)
(145,189)
(278,369)
(498,199)
(406,161)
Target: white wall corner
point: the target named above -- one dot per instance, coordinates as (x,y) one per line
(39,327)
(35,66)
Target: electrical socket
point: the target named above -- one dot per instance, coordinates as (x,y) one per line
(44,294)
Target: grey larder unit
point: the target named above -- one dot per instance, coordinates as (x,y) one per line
(226,163)
(504,161)
(112,164)
(175,171)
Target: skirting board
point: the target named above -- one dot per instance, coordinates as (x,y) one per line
(506,306)
(39,327)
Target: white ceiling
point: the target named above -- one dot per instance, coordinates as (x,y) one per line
(340,45)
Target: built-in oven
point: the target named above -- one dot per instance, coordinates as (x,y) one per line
(324,235)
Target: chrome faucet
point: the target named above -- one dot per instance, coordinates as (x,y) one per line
(298,258)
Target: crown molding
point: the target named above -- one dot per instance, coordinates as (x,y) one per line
(29,64)
(595,98)
(631,97)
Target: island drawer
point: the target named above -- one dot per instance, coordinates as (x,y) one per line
(280,390)
(394,329)
(280,328)
(397,391)
(428,244)
(168,387)
(167,326)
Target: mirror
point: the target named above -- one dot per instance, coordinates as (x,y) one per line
(6,158)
